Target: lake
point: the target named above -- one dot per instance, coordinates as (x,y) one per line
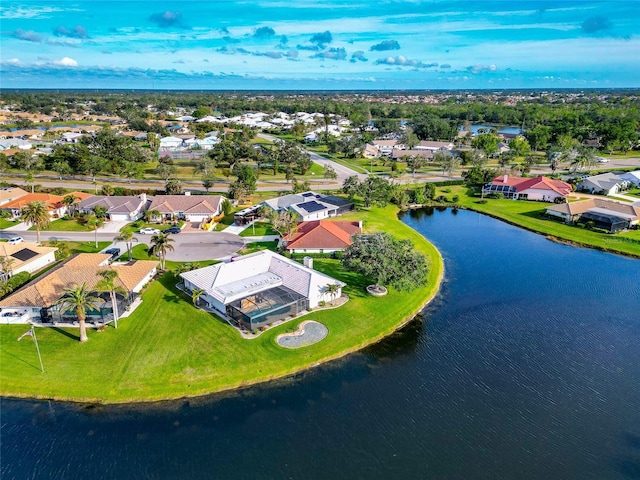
(526,366)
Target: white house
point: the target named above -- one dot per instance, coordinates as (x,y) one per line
(119,208)
(193,208)
(632,177)
(261,288)
(26,257)
(604,184)
(170,143)
(434,146)
(310,205)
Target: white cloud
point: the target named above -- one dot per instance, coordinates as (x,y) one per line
(65,62)
(13,61)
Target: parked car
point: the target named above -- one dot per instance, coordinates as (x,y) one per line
(114,252)
(14,240)
(173,229)
(149,231)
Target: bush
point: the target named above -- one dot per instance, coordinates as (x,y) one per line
(15,282)
(455,198)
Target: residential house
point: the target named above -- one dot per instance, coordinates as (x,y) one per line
(424,153)
(9,194)
(119,208)
(170,143)
(35,302)
(385,147)
(310,205)
(19,143)
(434,146)
(192,208)
(54,204)
(26,257)
(518,188)
(261,288)
(323,236)
(632,177)
(603,184)
(610,215)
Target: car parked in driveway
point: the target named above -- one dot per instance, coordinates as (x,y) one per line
(173,229)
(14,240)
(114,252)
(149,231)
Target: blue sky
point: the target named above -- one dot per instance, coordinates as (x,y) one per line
(305,44)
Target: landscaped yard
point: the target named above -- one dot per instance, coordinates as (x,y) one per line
(65,225)
(258,229)
(167,348)
(4,223)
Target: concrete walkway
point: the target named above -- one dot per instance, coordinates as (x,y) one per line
(20,227)
(236,229)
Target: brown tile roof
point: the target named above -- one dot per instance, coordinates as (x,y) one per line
(204,204)
(79,269)
(324,234)
(578,208)
(52,201)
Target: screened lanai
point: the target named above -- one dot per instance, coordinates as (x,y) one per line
(268,306)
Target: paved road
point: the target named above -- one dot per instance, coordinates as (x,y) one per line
(188,247)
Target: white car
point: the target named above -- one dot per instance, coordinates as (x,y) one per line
(603,160)
(14,240)
(149,231)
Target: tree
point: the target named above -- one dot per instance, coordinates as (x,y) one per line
(107,190)
(36,213)
(520,147)
(148,215)
(284,222)
(375,191)
(70,201)
(61,168)
(160,245)
(409,139)
(350,186)
(330,173)
(92,221)
(100,211)
(429,191)
(127,237)
(80,299)
(414,162)
(109,283)
(386,260)
(487,142)
(245,183)
(173,187)
(448,162)
(584,160)
(332,289)
(196,293)
(165,171)
(207,183)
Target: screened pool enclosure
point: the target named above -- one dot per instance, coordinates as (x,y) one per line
(268,306)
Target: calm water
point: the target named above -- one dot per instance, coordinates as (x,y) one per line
(526,367)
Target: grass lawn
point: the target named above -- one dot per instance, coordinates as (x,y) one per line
(4,223)
(169,349)
(530,215)
(257,246)
(65,225)
(260,229)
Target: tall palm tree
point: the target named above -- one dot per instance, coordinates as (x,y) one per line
(160,244)
(107,190)
(36,213)
(149,214)
(81,299)
(110,283)
(94,223)
(127,237)
(332,290)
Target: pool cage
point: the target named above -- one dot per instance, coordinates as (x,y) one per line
(269,306)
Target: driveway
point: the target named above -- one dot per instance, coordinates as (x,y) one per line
(192,247)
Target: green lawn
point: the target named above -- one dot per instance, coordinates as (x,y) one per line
(258,229)
(257,246)
(4,223)
(169,349)
(65,225)
(530,215)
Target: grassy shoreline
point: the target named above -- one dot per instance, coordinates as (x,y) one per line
(168,349)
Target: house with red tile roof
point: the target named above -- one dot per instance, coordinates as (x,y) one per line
(323,236)
(540,188)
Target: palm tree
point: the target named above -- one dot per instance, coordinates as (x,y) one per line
(95,223)
(332,289)
(81,299)
(6,270)
(36,213)
(107,190)
(160,244)
(70,201)
(196,293)
(149,214)
(127,237)
(108,283)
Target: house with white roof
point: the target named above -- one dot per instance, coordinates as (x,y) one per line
(119,208)
(632,177)
(434,146)
(603,184)
(192,208)
(310,205)
(261,288)
(170,143)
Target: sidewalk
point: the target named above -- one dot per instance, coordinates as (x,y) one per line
(21,227)
(236,229)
